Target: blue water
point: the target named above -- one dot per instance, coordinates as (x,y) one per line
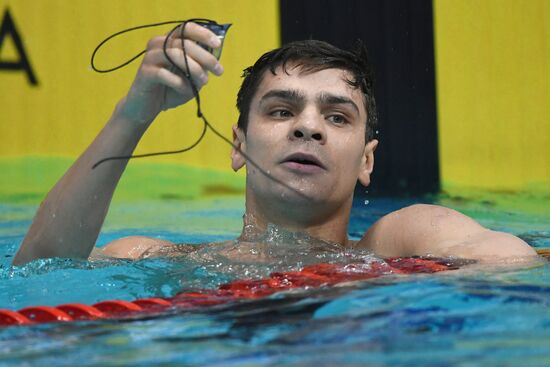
(483,318)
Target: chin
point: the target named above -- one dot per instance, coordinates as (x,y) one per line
(302,195)
(293,191)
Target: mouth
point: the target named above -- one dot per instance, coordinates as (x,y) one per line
(303,162)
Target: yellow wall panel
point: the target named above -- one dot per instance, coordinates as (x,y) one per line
(493,86)
(65,111)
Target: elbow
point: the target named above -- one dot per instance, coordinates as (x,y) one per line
(497,246)
(512,246)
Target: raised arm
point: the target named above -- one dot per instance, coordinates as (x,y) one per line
(421,230)
(69,219)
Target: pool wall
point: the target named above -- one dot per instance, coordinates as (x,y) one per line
(493,91)
(492,73)
(47,122)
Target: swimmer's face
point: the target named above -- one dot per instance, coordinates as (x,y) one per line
(308,131)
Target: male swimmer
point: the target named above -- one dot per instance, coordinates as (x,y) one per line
(306,117)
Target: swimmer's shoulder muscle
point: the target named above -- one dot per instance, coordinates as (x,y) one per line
(132,247)
(424,230)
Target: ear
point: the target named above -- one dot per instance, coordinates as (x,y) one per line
(368,162)
(239,145)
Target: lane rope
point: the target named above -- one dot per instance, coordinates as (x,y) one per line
(311,276)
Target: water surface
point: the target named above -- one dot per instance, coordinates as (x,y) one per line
(485,318)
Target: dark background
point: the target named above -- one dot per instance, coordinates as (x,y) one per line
(399,37)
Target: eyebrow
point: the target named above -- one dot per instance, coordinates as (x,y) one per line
(289,95)
(332,99)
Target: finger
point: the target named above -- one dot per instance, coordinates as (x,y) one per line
(194,52)
(155,42)
(158,59)
(205,58)
(197,53)
(172,78)
(198,33)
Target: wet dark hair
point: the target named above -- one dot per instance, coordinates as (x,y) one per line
(312,56)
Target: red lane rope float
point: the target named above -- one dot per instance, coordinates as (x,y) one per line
(117,307)
(44,314)
(152,303)
(311,276)
(79,311)
(8,317)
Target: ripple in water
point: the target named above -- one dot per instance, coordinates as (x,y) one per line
(274,250)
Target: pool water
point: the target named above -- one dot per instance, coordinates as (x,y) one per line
(490,318)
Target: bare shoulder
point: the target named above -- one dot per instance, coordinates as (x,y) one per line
(424,229)
(132,247)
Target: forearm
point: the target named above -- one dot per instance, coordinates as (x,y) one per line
(69,219)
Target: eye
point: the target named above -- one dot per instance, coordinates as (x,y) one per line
(337,119)
(280,114)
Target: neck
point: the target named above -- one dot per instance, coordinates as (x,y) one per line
(318,221)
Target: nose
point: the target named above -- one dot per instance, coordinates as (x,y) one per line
(308,128)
